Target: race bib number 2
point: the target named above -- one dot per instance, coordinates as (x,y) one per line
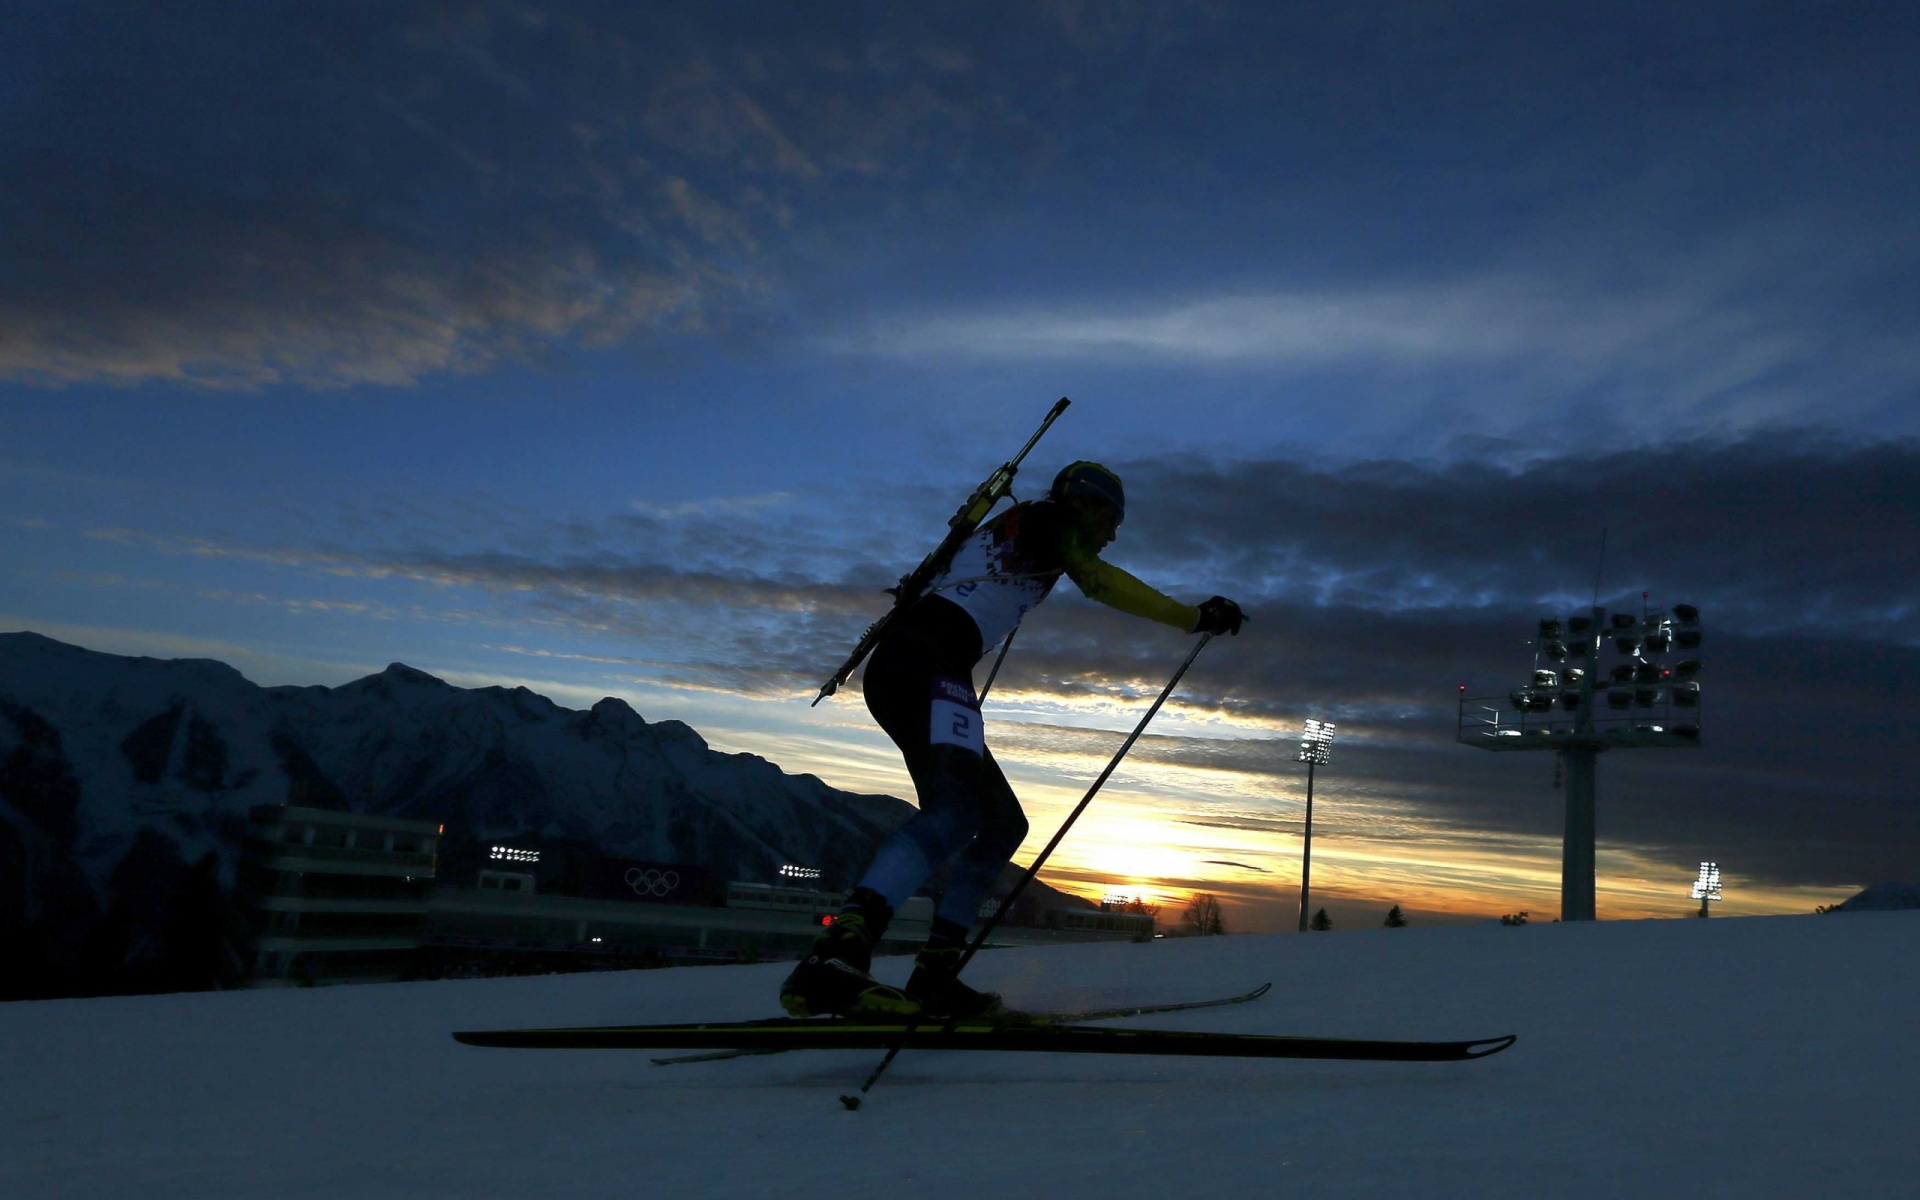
(956,717)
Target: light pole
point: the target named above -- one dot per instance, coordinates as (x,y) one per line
(1316,745)
(1648,704)
(1707,887)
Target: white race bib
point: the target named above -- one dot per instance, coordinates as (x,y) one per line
(956,717)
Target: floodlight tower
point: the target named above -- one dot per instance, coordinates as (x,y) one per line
(1657,705)
(1316,750)
(1707,887)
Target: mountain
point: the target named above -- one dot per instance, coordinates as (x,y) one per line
(1882,897)
(125,785)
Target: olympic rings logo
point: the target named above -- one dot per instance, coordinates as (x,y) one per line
(651,882)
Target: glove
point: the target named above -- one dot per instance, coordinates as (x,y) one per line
(1220,615)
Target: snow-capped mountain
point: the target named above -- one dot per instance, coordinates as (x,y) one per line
(1882,897)
(125,784)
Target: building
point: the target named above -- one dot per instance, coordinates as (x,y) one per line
(339,897)
(335,897)
(500,929)
(776,897)
(1098,921)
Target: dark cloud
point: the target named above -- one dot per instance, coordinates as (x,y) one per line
(374,193)
(1782,530)
(1376,591)
(368,193)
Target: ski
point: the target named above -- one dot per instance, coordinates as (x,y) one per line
(960,527)
(1046,1038)
(1141,1010)
(1054,1018)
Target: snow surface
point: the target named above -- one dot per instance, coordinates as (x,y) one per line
(1754,1057)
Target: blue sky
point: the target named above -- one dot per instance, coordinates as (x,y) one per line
(623,351)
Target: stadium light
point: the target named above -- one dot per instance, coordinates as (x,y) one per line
(1707,888)
(1316,750)
(1656,633)
(1646,703)
(1626,633)
(1316,743)
(1686,633)
(510,854)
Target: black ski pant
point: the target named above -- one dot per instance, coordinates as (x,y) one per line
(923,697)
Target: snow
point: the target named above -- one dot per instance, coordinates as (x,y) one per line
(1745,1057)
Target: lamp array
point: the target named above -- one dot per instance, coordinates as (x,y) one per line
(1707,887)
(1642,677)
(1316,743)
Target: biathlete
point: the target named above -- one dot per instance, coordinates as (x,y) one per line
(919,687)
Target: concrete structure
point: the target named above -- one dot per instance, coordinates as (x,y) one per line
(496,923)
(760,921)
(335,896)
(1082,925)
(341,897)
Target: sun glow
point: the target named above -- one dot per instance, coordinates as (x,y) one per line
(1134,853)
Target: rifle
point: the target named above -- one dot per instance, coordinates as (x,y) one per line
(960,527)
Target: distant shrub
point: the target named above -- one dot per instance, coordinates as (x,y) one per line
(1203,917)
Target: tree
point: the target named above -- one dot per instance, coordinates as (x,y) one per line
(1519,918)
(1395,918)
(1203,917)
(1140,906)
(1321,921)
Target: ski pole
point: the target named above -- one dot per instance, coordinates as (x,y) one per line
(852,1101)
(1007,905)
(995,673)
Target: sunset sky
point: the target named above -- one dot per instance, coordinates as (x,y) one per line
(631,350)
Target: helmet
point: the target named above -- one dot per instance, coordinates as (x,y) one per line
(1092,480)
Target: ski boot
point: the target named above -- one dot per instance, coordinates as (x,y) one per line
(935,983)
(833,979)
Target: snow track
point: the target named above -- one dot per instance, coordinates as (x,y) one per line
(1732,1057)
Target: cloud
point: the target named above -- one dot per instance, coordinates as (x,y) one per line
(1375,591)
(1422,324)
(374,195)
(717,505)
(1734,330)
(1789,529)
